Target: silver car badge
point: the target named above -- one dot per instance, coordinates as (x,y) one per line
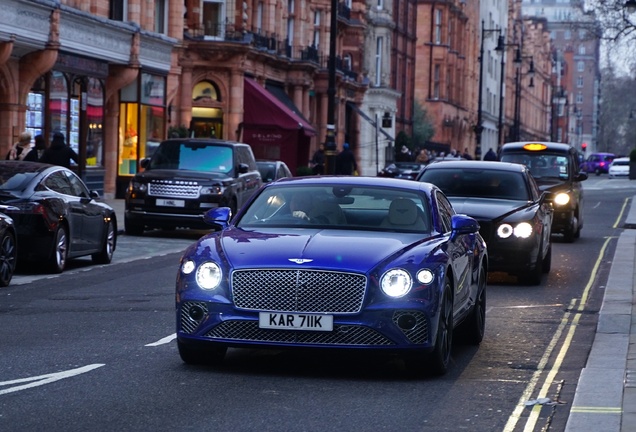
(300,260)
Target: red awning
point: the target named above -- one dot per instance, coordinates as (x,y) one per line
(261,108)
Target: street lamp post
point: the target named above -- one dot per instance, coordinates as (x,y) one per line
(479,127)
(517,113)
(330,139)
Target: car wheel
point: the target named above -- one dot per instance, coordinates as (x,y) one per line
(533,277)
(59,255)
(597,172)
(199,356)
(472,329)
(105,256)
(133,228)
(547,260)
(439,359)
(573,232)
(8,258)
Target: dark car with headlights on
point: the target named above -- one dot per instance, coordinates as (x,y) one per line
(556,169)
(358,263)
(405,170)
(514,216)
(186,177)
(8,247)
(56,217)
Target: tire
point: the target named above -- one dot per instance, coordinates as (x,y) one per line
(472,330)
(597,172)
(547,260)
(533,277)
(439,359)
(59,254)
(105,256)
(574,232)
(133,228)
(201,356)
(8,258)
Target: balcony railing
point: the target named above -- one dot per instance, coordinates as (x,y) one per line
(271,43)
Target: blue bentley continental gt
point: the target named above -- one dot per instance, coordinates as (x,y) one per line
(358,263)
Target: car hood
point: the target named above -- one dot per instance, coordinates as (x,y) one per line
(486,208)
(313,248)
(168,174)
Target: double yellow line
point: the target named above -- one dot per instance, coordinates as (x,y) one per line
(551,374)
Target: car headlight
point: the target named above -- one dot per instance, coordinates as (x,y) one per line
(561,199)
(425,276)
(396,283)
(136,186)
(209,275)
(212,190)
(522,230)
(188,267)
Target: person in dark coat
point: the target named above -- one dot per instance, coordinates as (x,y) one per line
(59,153)
(318,161)
(36,152)
(490,155)
(345,161)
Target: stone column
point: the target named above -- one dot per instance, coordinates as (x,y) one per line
(234,116)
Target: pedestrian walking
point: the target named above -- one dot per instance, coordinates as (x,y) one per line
(490,155)
(21,148)
(36,152)
(346,161)
(59,153)
(318,161)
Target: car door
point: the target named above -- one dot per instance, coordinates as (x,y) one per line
(66,206)
(459,250)
(92,219)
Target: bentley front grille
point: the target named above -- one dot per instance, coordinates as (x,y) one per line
(302,291)
(192,313)
(174,189)
(341,335)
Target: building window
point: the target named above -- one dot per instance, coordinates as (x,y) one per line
(579,98)
(580,66)
(160,16)
(118,10)
(567,35)
(259,17)
(579,81)
(212,18)
(317,29)
(582,49)
(347,62)
(290,25)
(379,43)
(437,37)
(380,4)
(436,81)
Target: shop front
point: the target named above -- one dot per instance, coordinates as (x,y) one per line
(70,99)
(142,125)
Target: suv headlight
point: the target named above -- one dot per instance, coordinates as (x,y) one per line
(561,198)
(521,230)
(396,283)
(137,186)
(209,275)
(212,190)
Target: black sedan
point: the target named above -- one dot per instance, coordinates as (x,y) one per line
(405,170)
(56,217)
(513,213)
(8,247)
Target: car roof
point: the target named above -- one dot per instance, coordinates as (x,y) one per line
(622,159)
(211,141)
(550,146)
(475,164)
(359,181)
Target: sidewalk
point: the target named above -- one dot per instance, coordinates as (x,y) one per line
(605,398)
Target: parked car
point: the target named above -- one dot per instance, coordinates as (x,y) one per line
(8,247)
(619,167)
(186,177)
(361,263)
(56,217)
(405,170)
(555,167)
(272,170)
(514,216)
(598,163)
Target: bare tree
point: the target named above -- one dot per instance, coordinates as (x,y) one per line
(617,21)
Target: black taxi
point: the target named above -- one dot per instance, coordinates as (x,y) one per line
(556,169)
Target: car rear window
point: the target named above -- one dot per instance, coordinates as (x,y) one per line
(193,157)
(542,165)
(478,183)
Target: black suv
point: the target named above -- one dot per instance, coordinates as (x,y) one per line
(556,169)
(187,177)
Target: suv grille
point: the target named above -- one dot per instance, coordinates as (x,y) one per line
(168,188)
(298,291)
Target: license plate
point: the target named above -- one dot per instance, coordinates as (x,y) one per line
(171,203)
(288,321)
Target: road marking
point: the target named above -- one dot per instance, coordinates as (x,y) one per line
(45,379)
(163,341)
(620,214)
(534,415)
(597,410)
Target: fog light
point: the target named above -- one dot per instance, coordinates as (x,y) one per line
(407,322)
(196,313)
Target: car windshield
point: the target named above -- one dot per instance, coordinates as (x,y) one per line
(339,207)
(623,162)
(478,183)
(193,156)
(542,165)
(15,179)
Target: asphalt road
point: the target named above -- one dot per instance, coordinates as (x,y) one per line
(92,349)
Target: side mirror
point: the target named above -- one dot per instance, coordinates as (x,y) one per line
(94,194)
(218,217)
(144,163)
(462,224)
(581,176)
(243,168)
